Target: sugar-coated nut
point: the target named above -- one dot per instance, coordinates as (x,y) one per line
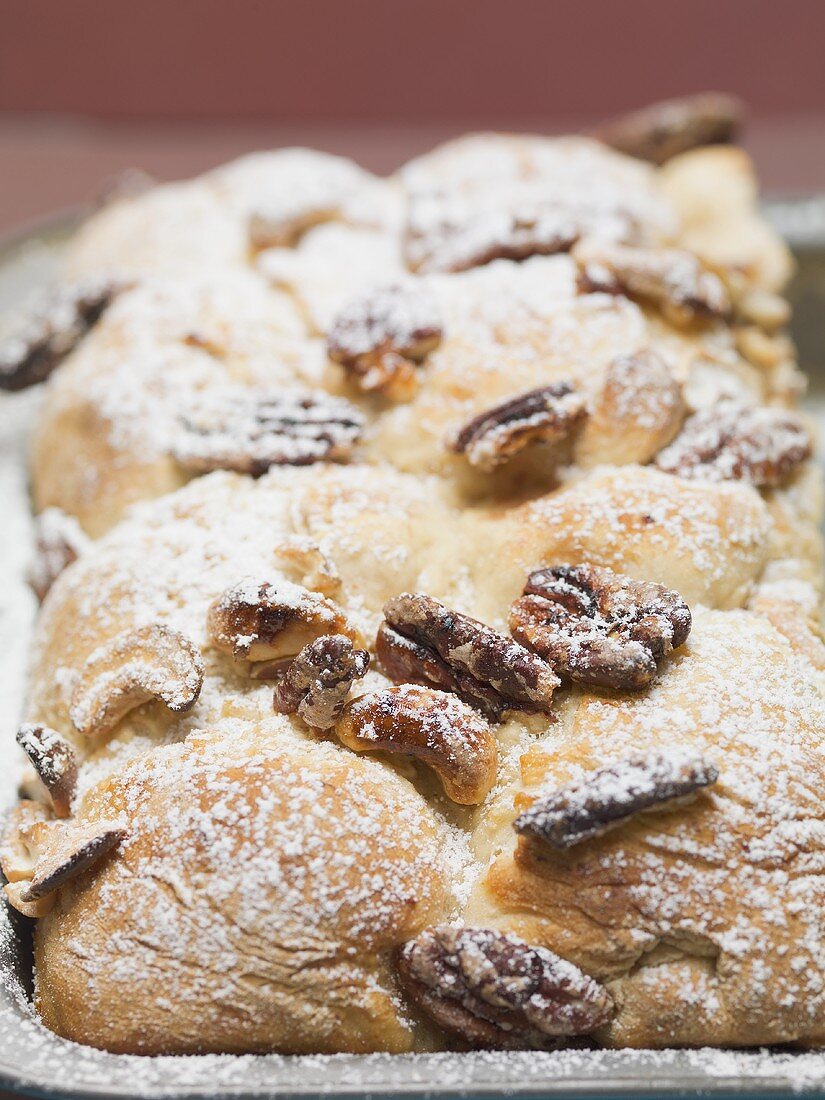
(549,414)
(248,431)
(435,727)
(494,990)
(599,627)
(316,683)
(608,797)
(263,620)
(55,762)
(150,662)
(664,130)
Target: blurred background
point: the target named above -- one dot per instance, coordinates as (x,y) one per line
(90,87)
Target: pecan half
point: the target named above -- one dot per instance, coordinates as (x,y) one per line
(598,627)
(432,726)
(317,681)
(424,642)
(57,323)
(664,130)
(545,415)
(70,855)
(54,760)
(444,235)
(670,279)
(381,337)
(259,620)
(736,442)
(59,541)
(606,798)
(248,430)
(495,990)
(150,662)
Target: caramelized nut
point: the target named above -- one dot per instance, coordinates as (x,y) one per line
(432,726)
(59,541)
(151,662)
(258,620)
(736,442)
(546,415)
(598,627)
(317,681)
(54,760)
(58,322)
(248,431)
(72,853)
(607,798)
(664,130)
(442,235)
(424,642)
(494,990)
(670,279)
(381,337)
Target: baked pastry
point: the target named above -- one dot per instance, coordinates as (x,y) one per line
(430,652)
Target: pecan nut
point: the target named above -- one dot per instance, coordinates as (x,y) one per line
(57,323)
(433,726)
(150,662)
(422,641)
(381,338)
(444,236)
(736,442)
(317,681)
(59,541)
(70,855)
(495,990)
(608,797)
(259,620)
(664,130)
(598,627)
(249,430)
(549,414)
(55,762)
(670,279)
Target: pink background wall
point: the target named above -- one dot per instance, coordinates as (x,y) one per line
(90,86)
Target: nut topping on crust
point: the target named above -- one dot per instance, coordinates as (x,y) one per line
(317,681)
(422,641)
(249,430)
(735,442)
(546,415)
(381,337)
(598,627)
(76,852)
(442,235)
(268,620)
(670,279)
(57,324)
(59,541)
(433,726)
(608,797)
(151,662)
(494,990)
(664,130)
(54,760)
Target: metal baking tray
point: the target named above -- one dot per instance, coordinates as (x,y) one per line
(35,1062)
